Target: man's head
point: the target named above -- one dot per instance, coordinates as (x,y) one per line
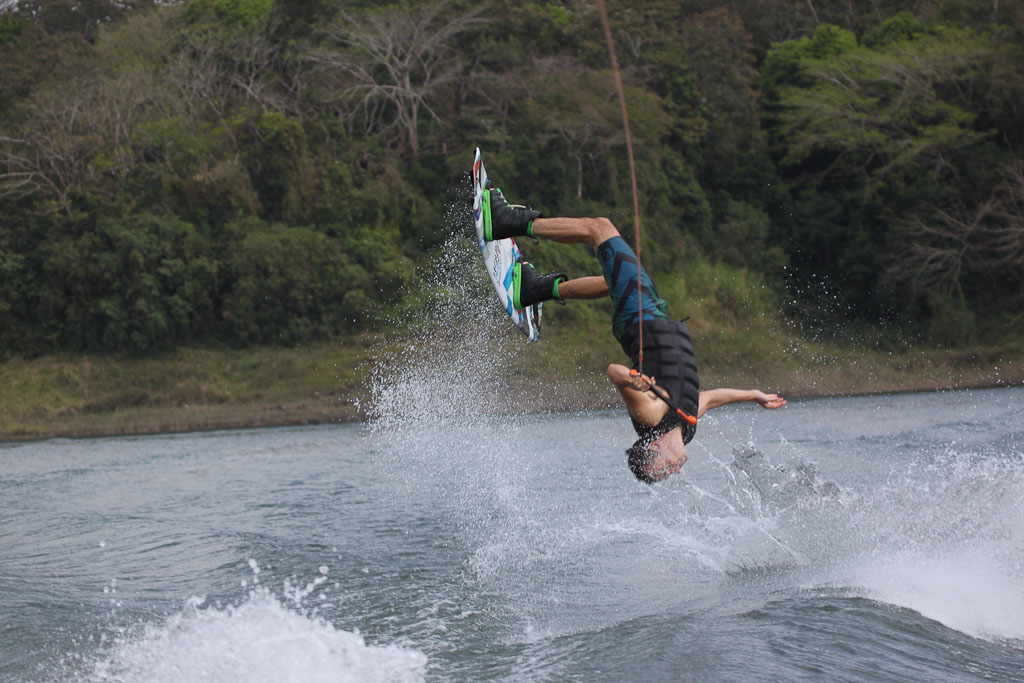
(652,461)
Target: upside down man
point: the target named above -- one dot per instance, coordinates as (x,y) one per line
(668,357)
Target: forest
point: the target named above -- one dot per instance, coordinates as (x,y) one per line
(274,172)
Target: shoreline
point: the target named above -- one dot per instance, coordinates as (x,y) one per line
(140,422)
(188,390)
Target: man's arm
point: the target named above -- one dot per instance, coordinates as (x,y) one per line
(623,379)
(643,405)
(720,397)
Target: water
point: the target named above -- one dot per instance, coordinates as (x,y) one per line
(455,538)
(873,538)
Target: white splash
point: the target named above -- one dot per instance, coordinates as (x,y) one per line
(949,544)
(967,590)
(257,640)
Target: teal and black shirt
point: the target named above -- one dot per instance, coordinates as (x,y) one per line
(619,264)
(668,349)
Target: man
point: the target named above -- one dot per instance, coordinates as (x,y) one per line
(669,360)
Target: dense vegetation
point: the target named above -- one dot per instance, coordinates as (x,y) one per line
(274,171)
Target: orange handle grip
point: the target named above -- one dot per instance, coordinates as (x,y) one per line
(690,419)
(633,372)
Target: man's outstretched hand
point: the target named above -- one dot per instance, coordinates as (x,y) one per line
(770,401)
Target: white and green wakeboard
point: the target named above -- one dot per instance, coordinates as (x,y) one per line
(500,258)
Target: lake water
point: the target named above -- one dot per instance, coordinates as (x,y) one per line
(871,538)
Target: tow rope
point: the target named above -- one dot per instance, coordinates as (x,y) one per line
(658,391)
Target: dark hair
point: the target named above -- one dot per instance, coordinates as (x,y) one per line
(639,454)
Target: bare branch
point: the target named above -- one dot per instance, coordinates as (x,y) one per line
(52,156)
(392,66)
(934,254)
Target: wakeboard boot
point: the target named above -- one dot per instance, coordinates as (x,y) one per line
(529,287)
(503,220)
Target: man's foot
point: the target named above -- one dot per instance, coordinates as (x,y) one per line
(502,219)
(529,287)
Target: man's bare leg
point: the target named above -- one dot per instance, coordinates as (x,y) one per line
(592,231)
(587,287)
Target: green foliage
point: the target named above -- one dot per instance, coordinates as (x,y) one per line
(951,323)
(243,11)
(903,26)
(83,17)
(251,171)
(791,62)
(868,136)
(10,27)
(290,285)
(681,210)
(30,58)
(547,24)
(733,152)
(138,283)
(12,267)
(232,13)
(711,291)
(281,167)
(741,238)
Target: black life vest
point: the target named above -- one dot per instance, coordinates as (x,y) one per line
(669,359)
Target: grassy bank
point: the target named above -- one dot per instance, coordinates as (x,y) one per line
(192,389)
(185,390)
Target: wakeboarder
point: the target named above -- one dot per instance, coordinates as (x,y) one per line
(665,401)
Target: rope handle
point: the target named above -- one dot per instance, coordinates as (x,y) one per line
(663,395)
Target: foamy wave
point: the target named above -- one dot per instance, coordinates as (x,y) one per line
(968,592)
(951,547)
(257,640)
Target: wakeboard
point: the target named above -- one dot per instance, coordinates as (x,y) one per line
(500,258)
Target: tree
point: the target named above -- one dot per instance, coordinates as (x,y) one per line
(894,113)
(392,65)
(132,283)
(76,134)
(577,119)
(50,158)
(865,137)
(212,69)
(947,254)
(76,16)
(288,285)
(734,168)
